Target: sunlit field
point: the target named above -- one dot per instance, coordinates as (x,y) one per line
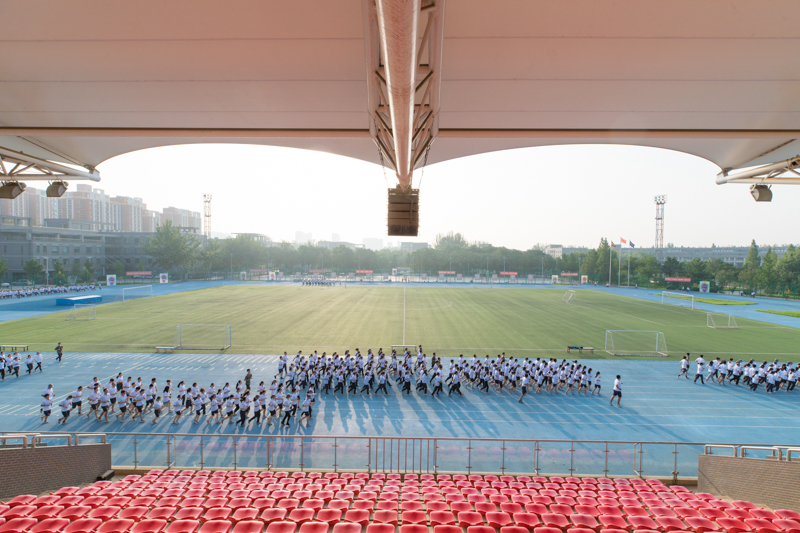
(448,321)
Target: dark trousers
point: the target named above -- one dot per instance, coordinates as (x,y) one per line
(702,380)
(39,367)
(436,390)
(381,387)
(59,356)
(455,387)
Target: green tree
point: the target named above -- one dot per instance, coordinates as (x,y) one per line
(171,249)
(32,268)
(769,269)
(88,270)
(119,269)
(3,267)
(750,275)
(450,240)
(59,278)
(696,269)
(649,268)
(76,269)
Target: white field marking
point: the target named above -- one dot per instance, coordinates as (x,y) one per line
(620,313)
(409,308)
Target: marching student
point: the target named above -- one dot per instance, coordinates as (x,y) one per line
(104,400)
(287,410)
(157,407)
(60,352)
(123,405)
(699,372)
(47,404)
(617,392)
(305,412)
(597,386)
(66,408)
(523,387)
(177,404)
(684,367)
(38,360)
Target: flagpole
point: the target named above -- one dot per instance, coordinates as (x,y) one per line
(629,269)
(619,267)
(610,255)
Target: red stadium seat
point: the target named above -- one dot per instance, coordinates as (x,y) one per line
(18,525)
(631,510)
(183,526)
(216,513)
(314,527)
(614,522)
(413,528)
(669,523)
(299,516)
(248,526)
(385,517)
(347,527)
(116,525)
(20,511)
(701,525)
(446,529)
(213,526)
(74,512)
(642,522)
(739,514)
(389,506)
(787,514)
(584,521)
(51,525)
(787,526)
(685,512)
(547,530)
(765,514)
(329,516)
(281,527)
(732,525)
(248,513)
(339,504)
(469,519)
(759,525)
(379,528)
(527,520)
(555,520)
(158,513)
(273,515)
(48,511)
(187,513)
(713,513)
(498,520)
(414,517)
(487,529)
(83,525)
(149,526)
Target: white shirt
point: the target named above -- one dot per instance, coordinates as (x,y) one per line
(617,385)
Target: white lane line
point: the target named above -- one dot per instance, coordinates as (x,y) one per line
(404,315)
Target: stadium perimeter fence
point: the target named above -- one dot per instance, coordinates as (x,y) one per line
(406,454)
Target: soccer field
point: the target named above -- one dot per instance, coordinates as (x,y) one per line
(449,321)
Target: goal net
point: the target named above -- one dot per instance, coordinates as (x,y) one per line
(401,348)
(83,312)
(202,337)
(134,293)
(721,321)
(569,296)
(682,299)
(634,342)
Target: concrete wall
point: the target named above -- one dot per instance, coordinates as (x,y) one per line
(762,481)
(48,468)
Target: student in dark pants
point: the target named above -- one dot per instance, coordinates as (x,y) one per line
(59,351)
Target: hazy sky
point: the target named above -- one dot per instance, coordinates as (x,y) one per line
(570,195)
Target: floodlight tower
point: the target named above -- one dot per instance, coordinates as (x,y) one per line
(207,215)
(660,200)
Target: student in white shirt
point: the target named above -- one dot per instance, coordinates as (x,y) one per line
(47,404)
(157,407)
(617,391)
(65,405)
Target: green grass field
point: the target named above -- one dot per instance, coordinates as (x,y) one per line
(715,301)
(795,314)
(529,323)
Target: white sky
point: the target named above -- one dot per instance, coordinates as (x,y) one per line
(570,195)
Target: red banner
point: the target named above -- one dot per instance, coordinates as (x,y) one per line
(139,273)
(508,273)
(684,280)
(451,272)
(363,271)
(258,270)
(317,271)
(570,274)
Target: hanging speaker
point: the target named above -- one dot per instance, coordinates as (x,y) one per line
(403,217)
(11,189)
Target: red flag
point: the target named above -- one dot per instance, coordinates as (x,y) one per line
(613,245)
(623,241)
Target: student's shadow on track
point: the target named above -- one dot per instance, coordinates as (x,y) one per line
(421,416)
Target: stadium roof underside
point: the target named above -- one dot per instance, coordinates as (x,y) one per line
(86,80)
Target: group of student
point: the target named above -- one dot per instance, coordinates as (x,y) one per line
(309,282)
(49,289)
(295,386)
(775,376)
(11,363)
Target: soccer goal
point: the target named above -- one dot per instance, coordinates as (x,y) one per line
(634,342)
(721,321)
(202,337)
(401,348)
(229,284)
(134,293)
(83,312)
(569,296)
(682,299)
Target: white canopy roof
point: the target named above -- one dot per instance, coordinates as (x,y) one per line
(717,78)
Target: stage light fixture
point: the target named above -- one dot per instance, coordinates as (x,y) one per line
(761,193)
(11,189)
(57,189)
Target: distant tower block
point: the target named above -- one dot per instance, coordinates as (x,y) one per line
(207,215)
(660,200)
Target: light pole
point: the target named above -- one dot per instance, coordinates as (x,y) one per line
(231,266)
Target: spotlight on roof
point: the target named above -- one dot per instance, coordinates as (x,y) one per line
(761,193)
(57,189)
(11,189)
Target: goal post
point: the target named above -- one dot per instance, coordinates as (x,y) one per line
(401,348)
(83,312)
(134,293)
(569,296)
(202,337)
(229,284)
(636,343)
(721,321)
(682,299)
